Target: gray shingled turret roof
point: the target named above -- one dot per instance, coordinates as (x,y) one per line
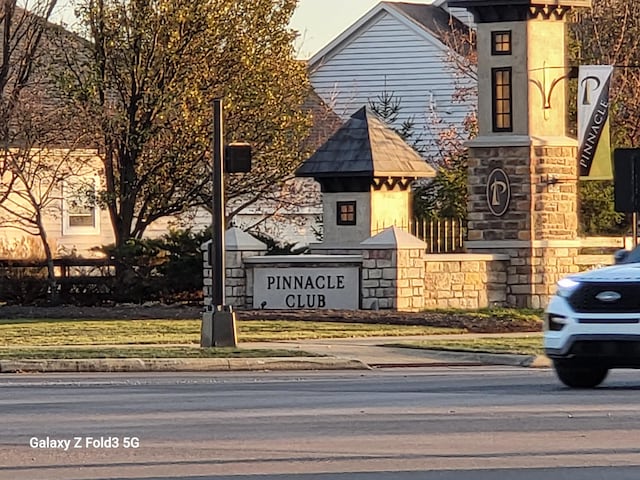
(365,147)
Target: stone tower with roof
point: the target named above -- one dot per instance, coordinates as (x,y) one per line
(522,166)
(365,171)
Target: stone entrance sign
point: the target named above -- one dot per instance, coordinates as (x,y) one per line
(302,288)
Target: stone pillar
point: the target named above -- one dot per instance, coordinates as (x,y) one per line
(238,246)
(523,168)
(538,231)
(393,271)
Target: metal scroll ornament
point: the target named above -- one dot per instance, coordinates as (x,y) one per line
(498,192)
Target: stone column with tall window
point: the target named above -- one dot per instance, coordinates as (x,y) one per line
(523,166)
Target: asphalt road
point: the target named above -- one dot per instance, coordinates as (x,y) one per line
(430,423)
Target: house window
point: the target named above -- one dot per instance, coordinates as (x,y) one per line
(80,214)
(502,114)
(501,43)
(346,213)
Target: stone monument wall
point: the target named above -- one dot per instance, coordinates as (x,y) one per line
(465,281)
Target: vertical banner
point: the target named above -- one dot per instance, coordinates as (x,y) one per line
(594,139)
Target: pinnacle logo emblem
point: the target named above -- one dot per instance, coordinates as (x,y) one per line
(608,296)
(587,83)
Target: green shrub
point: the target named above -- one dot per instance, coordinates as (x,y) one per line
(166,269)
(182,269)
(23,285)
(274,247)
(597,214)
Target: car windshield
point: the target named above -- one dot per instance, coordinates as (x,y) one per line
(633,256)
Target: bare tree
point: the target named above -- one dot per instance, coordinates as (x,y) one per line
(446,195)
(39,136)
(38,173)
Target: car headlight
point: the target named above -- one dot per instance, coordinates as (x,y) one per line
(567,286)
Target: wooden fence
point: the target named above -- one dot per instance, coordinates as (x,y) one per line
(25,280)
(65,267)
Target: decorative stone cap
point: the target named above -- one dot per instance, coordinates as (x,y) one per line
(239,240)
(304,259)
(393,238)
(489,141)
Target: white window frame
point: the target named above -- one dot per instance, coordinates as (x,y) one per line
(68,229)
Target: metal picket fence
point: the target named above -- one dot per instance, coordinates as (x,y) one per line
(445,235)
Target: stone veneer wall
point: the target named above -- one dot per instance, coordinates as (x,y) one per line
(539,230)
(393,279)
(207,276)
(556,204)
(539,209)
(236,279)
(401,280)
(532,273)
(482,225)
(465,281)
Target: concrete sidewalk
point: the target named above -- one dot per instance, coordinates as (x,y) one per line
(374,352)
(337,354)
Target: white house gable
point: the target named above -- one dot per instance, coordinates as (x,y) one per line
(388,51)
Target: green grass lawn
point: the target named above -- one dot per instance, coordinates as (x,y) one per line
(522,345)
(77,338)
(32,333)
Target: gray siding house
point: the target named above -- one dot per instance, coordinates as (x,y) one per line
(401,49)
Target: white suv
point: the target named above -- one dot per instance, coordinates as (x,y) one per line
(592,324)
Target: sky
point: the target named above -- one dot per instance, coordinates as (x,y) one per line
(317,21)
(320,21)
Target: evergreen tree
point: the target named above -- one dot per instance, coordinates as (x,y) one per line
(387,106)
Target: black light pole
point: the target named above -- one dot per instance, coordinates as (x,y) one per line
(218,324)
(217,231)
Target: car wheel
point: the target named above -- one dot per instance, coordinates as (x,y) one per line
(576,375)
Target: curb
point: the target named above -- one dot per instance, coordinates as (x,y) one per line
(179,364)
(540,361)
(454,358)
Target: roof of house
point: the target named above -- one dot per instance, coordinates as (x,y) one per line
(430,21)
(365,147)
(325,121)
(434,19)
(42,116)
